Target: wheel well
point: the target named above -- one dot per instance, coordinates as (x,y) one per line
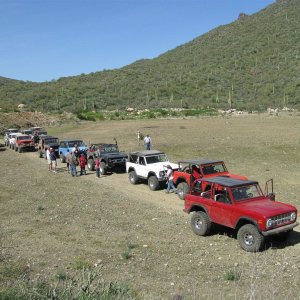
(198,208)
(180,179)
(151,174)
(243,221)
(131,169)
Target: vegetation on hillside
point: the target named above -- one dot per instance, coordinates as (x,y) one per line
(252,63)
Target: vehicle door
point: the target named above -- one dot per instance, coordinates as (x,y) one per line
(221,210)
(141,169)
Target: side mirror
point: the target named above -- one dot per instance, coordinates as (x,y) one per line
(271,196)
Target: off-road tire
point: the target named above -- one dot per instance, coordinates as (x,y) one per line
(182,190)
(153,183)
(91,164)
(102,168)
(62,158)
(250,239)
(200,223)
(133,178)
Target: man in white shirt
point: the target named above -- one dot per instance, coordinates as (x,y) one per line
(147,142)
(48,159)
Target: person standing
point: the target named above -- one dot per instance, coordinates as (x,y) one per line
(147,142)
(71,159)
(82,164)
(53,160)
(48,159)
(170,182)
(97,167)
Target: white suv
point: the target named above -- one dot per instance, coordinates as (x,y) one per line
(148,165)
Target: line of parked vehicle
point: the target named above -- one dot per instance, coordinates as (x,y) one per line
(211,193)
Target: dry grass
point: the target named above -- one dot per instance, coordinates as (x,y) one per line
(55,224)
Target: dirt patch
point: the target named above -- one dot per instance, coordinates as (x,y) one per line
(52,221)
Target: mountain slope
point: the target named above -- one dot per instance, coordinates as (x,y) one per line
(251,63)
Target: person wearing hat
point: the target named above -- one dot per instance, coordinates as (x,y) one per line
(169,176)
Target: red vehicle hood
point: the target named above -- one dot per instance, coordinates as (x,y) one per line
(265,207)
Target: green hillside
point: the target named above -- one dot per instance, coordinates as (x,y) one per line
(252,63)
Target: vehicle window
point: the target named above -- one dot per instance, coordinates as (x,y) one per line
(141,161)
(62,145)
(246,192)
(219,168)
(198,187)
(133,158)
(222,196)
(72,144)
(51,141)
(156,158)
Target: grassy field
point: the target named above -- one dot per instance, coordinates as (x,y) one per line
(138,242)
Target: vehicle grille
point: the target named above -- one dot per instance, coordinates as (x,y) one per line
(281,219)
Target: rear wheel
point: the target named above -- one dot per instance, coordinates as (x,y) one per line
(182,190)
(250,239)
(153,183)
(200,223)
(91,165)
(133,178)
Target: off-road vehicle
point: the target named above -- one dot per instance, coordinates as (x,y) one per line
(150,166)
(46,142)
(66,145)
(240,205)
(24,142)
(189,170)
(7,133)
(111,159)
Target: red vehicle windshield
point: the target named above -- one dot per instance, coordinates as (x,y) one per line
(246,192)
(212,169)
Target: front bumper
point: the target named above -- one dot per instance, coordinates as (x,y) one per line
(280,229)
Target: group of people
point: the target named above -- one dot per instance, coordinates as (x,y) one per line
(73,159)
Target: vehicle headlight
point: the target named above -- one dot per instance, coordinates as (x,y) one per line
(269,223)
(161,174)
(293,216)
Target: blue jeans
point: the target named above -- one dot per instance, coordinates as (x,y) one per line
(147,145)
(171,185)
(73,170)
(98,173)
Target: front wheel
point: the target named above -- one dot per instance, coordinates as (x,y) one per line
(153,183)
(91,165)
(102,168)
(200,223)
(250,239)
(182,190)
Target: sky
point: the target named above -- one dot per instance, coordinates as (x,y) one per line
(43,40)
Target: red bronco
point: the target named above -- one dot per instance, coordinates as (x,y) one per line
(189,170)
(24,143)
(240,205)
